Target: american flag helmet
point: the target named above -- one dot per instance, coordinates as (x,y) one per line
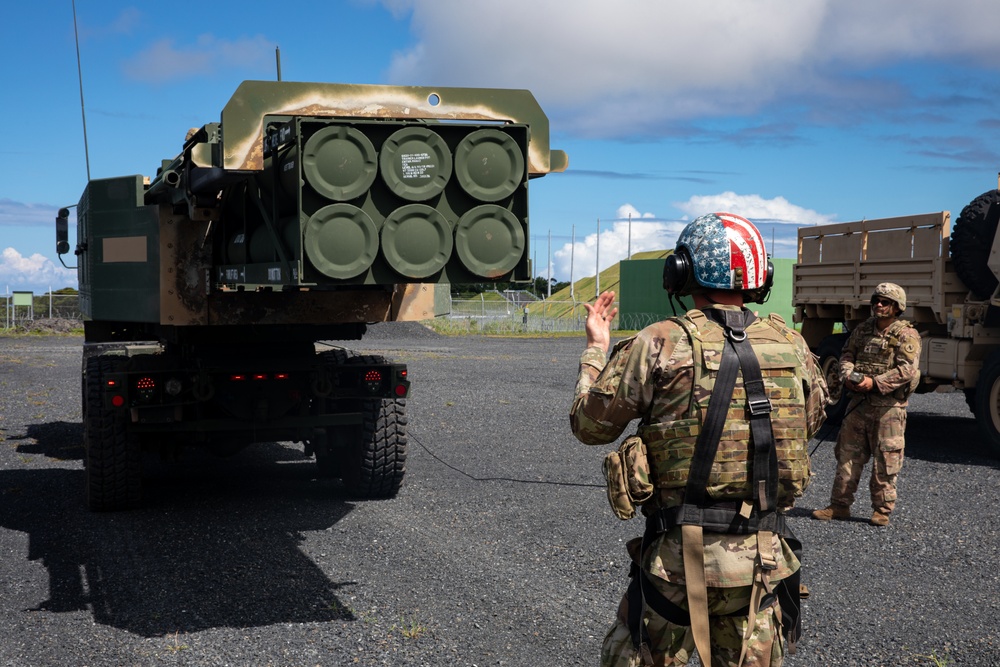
(726,251)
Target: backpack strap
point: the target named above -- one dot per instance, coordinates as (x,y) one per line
(738,354)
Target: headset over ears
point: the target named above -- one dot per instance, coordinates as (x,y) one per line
(720,251)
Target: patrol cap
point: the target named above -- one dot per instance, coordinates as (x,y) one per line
(890,291)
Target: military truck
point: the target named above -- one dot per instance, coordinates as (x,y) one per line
(211,292)
(952,297)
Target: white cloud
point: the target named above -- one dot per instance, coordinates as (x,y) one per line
(616,242)
(36,273)
(632,68)
(777,218)
(753,207)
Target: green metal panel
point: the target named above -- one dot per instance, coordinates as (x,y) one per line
(643,299)
(23,299)
(642,294)
(444,202)
(780,301)
(119,267)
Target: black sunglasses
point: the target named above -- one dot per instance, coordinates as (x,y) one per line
(883,302)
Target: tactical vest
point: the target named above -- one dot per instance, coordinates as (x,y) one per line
(877,355)
(671,445)
(729,486)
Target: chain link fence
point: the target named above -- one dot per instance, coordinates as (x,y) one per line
(491,312)
(24,310)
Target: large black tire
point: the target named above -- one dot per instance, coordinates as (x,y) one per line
(829,359)
(971,240)
(987,400)
(373,462)
(112,458)
(374,467)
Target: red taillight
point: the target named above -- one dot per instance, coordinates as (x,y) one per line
(112,383)
(237,377)
(260,376)
(400,390)
(373,376)
(117,400)
(145,383)
(281,376)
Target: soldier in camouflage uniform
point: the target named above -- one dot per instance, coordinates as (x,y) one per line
(879,366)
(664,377)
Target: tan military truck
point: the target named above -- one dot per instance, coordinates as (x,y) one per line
(949,273)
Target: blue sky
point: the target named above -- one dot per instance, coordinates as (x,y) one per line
(788,112)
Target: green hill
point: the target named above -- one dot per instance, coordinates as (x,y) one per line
(560,304)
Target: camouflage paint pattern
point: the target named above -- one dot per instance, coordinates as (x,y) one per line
(671,445)
(870,432)
(674,644)
(891,358)
(875,423)
(891,291)
(651,377)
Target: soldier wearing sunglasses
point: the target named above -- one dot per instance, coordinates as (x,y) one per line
(879,366)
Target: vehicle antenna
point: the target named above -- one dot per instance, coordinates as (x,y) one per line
(79,73)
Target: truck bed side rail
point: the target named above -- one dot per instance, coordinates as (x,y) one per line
(839,266)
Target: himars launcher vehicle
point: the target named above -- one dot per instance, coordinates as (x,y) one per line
(309,211)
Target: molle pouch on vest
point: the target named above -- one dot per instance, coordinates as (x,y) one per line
(636,468)
(618,498)
(626,471)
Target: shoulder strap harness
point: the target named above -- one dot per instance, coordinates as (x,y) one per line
(699,512)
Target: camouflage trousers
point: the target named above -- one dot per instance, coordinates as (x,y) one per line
(870,432)
(674,644)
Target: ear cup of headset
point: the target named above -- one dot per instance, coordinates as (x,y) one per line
(760,294)
(676,271)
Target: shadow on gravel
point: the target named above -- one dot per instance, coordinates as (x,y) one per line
(942,439)
(213,547)
(62,441)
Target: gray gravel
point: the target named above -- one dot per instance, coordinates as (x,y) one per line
(499,550)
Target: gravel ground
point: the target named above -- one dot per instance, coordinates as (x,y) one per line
(499,550)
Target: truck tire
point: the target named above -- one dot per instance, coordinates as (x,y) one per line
(112,457)
(971,240)
(370,458)
(374,466)
(987,398)
(829,359)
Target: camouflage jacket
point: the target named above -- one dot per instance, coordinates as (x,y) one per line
(650,377)
(893,361)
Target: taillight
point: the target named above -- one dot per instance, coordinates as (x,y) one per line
(145,388)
